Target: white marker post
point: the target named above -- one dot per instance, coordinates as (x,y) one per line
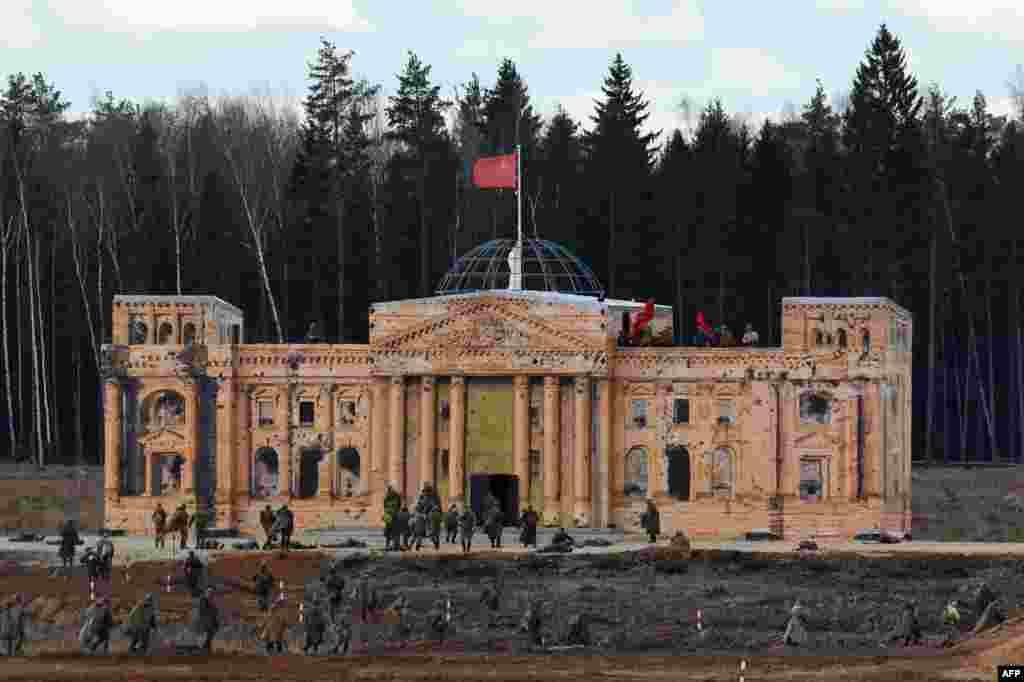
(743,667)
(168,584)
(92,590)
(301,609)
(700,620)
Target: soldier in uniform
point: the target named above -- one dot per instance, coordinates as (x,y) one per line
(141,624)
(579,630)
(467,526)
(436,519)
(796,631)
(68,545)
(105,549)
(180,523)
(651,521)
(264,586)
(12,624)
(201,521)
(419,530)
(315,625)
(392,505)
(193,573)
(334,582)
(529,522)
(491,599)
(440,618)
(275,627)
(403,527)
(93,563)
(365,598)
(532,622)
(494,527)
(910,627)
(159,525)
(451,524)
(284,524)
(99,621)
(951,621)
(206,621)
(267,522)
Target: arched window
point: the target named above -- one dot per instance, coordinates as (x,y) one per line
(678,469)
(866,341)
(348,472)
(188,336)
(841,336)
(815,408)
(137,331)
(636,472)
(265,480)
(163,410)
(166,334)
(309,472)
(720,472)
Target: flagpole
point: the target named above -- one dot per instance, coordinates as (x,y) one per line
(519,196)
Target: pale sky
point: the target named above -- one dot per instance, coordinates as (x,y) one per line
(756,56)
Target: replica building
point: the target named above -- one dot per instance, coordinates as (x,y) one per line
(525,392)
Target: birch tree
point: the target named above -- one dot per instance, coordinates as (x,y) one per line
(249,138)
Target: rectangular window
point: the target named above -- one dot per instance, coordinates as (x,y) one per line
(639,416)
(812,480)
(681,411)
(306,413)
(346,413)
(265,412)
(534,465)
(727,411)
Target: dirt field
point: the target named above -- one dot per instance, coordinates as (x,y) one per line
(643,611)
(981,504)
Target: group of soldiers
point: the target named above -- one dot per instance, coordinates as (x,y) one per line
(279,525)
(404,529)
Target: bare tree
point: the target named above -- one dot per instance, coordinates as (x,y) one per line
(380,154)
(1016,86)
(6,242)
(250,140)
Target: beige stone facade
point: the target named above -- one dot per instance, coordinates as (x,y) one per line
(525,393)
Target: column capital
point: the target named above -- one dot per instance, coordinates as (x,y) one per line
(552,383)
(458,380)
(428,383)
(520,380)
(582,383)
(398,380)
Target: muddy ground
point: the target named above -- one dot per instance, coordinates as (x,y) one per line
(642,605)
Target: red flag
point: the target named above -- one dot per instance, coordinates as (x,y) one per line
(641,319)
(702,325)
(495,172)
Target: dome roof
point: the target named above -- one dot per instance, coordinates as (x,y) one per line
(547,266)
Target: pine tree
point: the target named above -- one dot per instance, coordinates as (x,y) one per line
(620,156)
(560,155)
(882,133)
(468,139)
(675,203)
(416,115)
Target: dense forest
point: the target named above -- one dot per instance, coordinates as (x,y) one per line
(312,215)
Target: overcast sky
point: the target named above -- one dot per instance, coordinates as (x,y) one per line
(757,56)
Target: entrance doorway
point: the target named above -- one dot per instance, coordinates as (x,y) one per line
(502,486)
(309,472)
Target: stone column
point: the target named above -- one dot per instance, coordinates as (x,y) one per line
(112,440)
(244,453)
(581,482)
(396,435)
(188,475)
(604,451)
(552,449)
(428,431)
(327,471)
(284,471)
(378,434)
(226,451)
(521,435)
(457,442)
(148,487)
(790,459)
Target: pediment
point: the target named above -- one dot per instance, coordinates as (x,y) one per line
(818,440)
(486,326)
(163,439)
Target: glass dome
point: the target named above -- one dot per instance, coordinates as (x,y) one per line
(547,266)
